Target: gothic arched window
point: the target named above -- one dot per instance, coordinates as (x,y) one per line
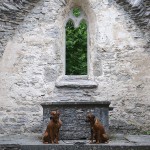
(76,43)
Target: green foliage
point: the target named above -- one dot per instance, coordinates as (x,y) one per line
(146,132)
(76,12)
(76,49)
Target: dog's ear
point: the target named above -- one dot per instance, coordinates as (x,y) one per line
(58,112)
(52,113)
(93,116)
(89,114)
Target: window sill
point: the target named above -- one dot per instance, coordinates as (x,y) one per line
(81,81)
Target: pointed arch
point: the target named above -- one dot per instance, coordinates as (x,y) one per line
(76,44)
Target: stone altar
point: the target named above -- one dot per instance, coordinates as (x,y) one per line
(73,115)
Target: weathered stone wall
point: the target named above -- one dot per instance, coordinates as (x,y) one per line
(139,11)
(12,12)
(32,60)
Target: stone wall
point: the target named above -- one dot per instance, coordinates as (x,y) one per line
(12,13)
(139,11)
(32,60)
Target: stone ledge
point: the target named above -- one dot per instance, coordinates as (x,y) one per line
(76,146)
(84,147)
(10,147)
(97,103)
(76,82)
(34,142)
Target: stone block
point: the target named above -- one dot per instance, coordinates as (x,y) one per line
(73,115)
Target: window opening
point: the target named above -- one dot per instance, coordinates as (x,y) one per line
(76,46)
(76,12)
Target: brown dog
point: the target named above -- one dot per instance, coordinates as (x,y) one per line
(51,134)
(97,130)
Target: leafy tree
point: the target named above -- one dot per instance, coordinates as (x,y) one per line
(76,48)
(76,12)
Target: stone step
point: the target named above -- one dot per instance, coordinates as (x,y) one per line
(76,146)
(34,142)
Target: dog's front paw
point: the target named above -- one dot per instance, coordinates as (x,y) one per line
(106,142)
(45,142)
(91,142)
(97,142)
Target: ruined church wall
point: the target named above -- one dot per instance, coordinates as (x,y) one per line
(33,60)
